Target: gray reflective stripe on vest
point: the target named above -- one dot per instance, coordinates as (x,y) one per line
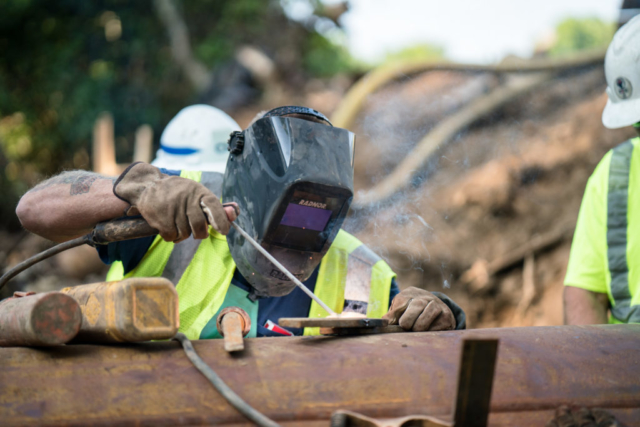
(358,286)
(183,252)
(179,260)
(617,203)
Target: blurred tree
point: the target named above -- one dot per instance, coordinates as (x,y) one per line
(575,34)
(323,58)
(62,64)
(416,52)
(65,62)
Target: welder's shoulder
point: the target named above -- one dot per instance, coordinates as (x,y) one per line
(345,241)
(351,245)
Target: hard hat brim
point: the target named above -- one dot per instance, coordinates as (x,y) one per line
(621,114)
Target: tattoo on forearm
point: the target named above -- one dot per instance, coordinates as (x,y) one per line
(82,185)
(80,181)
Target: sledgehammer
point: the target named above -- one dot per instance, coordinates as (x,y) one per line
(47,319)
(131,310)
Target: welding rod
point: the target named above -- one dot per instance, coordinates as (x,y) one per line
(283,269)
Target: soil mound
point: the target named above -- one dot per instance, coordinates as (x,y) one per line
(490,219)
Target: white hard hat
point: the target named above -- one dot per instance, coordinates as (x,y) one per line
(622,69)
(196,139)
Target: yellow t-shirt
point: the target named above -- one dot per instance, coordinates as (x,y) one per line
(590,253)
(588,266)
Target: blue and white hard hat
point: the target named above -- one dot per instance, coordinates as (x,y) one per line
(196,139)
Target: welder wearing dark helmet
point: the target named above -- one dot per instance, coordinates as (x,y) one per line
(290,178)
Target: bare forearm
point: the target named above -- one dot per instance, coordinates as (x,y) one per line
(582,307)
(69,205)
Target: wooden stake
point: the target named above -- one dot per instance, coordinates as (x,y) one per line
(104,152)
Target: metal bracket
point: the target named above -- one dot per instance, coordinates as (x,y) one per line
(471,407)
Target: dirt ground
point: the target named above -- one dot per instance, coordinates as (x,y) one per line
(470,222)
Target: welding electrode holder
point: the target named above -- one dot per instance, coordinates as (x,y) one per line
(120,229)
(103,234)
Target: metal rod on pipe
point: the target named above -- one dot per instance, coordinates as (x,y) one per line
(283,269)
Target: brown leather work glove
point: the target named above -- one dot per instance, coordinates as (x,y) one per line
(419,310)
(171,204)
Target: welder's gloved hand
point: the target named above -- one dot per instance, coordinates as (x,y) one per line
(419,310)
(582,417)
(171,204)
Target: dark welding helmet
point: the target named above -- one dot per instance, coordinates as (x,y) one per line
(291,173)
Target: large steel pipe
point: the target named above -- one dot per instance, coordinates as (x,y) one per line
(304,379)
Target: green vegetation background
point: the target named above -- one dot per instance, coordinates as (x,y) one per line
(62,63)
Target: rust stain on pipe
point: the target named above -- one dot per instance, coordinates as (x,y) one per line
(303,380)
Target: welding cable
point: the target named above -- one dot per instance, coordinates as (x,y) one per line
(234,400)
(42,256)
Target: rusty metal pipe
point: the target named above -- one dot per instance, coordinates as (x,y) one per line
(234,400)
(46,319)
(303,380)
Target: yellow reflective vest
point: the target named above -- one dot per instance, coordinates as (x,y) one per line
(605,253)
(202,271)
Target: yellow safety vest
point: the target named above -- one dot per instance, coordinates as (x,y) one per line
(348,272)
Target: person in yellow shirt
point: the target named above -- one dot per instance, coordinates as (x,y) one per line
(604,265)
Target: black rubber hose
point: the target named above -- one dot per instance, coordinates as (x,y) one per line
(236,401)
(42,256)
